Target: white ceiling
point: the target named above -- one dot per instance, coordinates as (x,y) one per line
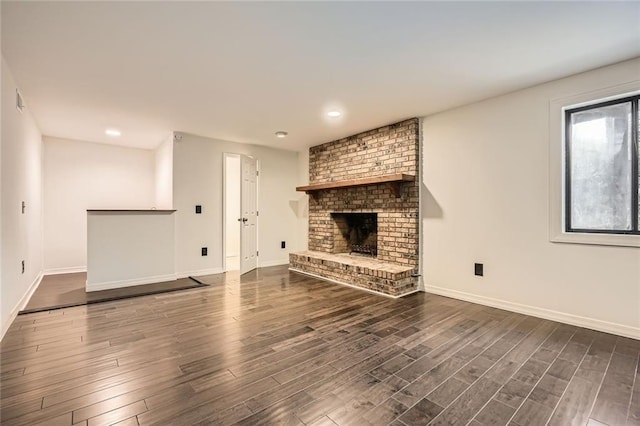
(241,71)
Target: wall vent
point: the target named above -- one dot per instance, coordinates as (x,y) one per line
(19,101)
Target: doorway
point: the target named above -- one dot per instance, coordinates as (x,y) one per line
(241,213)
(232,212)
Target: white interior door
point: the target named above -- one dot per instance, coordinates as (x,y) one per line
(249,212)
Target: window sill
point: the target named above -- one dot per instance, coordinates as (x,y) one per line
(597,239)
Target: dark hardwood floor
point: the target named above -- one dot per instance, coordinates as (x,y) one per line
(67,290)
(275,347)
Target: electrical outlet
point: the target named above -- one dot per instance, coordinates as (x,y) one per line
(283,244)
(204,251)
(198,209)
(479,269)
(23,266)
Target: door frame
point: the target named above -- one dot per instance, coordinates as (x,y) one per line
(224,206)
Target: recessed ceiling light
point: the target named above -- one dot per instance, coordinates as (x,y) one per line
(112,132)
(334,113)
(281,134)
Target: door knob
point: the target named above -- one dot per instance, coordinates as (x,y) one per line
(242,219)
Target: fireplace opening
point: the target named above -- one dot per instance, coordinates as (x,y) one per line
(355,233)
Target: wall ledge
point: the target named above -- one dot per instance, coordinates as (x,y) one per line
(579,321)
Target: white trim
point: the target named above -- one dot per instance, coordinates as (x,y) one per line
(69,270)
(130,283)
(200,272)
(579,321)
(21,304)
(353,286)
(272,263)
(596,239)
(556,166)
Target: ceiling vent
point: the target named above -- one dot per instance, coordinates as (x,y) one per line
(19,101)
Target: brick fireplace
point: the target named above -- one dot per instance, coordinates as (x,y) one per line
(363,210)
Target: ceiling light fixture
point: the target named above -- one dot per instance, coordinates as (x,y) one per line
(281,134)
(334,114)
(112,132)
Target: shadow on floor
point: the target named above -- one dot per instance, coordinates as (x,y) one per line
(67,290)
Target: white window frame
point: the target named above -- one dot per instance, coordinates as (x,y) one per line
(557,108)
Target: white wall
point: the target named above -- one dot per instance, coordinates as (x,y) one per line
(164,174)
(21,181)
(486,171)
(198,179)
(82,175)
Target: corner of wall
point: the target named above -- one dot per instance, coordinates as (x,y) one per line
(164,173)
(421,208)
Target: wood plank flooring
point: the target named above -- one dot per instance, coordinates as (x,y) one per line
(68,290)
(276,347)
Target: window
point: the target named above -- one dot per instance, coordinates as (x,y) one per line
(602,173)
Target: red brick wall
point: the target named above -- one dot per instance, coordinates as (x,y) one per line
(387,150)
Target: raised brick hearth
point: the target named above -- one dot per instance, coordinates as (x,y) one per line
(381,152)
(363,272)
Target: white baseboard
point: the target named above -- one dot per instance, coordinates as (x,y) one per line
(200,272)
(69,270)
(353,286)
(130,283)
(273,263)
(21,304)
(591,323)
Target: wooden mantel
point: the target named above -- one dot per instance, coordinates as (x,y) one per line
(393,181)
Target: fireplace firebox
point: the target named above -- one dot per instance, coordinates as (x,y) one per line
(355,233)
